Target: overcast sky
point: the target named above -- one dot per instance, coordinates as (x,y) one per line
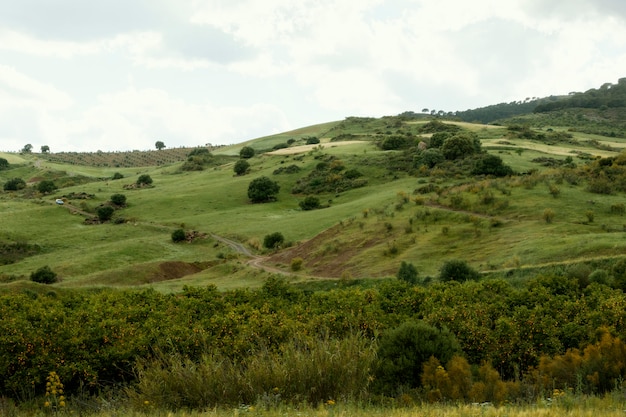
(79,75)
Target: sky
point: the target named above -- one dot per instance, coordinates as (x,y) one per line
(120,75)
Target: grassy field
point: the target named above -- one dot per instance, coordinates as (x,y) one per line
(363,233)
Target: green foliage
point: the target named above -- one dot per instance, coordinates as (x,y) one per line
(179,235)
(4,164)
(117,176)
(407,273)
(460,146)
(144,179)
(429,157)
(46,186)
(488,164)
(263,189)
(330,175)
(312,140)
(273,240)
(404,350)
(457,270)
(159,145)
(246,152)
(44,275)
(105,213)
(310,203)
(28,148)
(119,200)
(291,169)
(14,184)
(241,167)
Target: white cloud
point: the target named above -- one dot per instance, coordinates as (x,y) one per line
(21,91)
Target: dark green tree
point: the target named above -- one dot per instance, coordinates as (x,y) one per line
(117,176)
(488,164)
(246,152)
(312,140)
(118,199)
(44,275)
(159,145)
(45,149)
(46,186)
(28,148)
(144,179)
(457,270)
(273,240)
(178,235)
(310,203)
(262,189)
(4,164)
(430,157)
(404,350)
(105,213)
(459,146)
(407,273)
(241,167)
(14,184)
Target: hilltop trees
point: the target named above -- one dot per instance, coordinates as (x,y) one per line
(159,145)
(45,149)
(262,190)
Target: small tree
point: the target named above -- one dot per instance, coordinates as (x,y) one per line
(46,186)
(14,184)
(310,203)
(45,149)
(118,199)
(241,167)
(457,270)
(262,189)
(117,176)
(105,213)
(144,179)
(273,240)
(4,164)
(246,152)
(407,273)
(159,145)
(44,275)
(28,148)
(178,235)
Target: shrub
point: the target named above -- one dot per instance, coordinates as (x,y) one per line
(4,164)
(44,275)
(548,215)
(178,235)
(407,273)
(105,213)
(262,189)
(14,184)
(117,176)
(273,240)
(144,179)
(312,140)
(404,350)
(491,165)
(246,152)
(459,146)
(310,203)
(241,167)
(46,186)
(296,264)
(202,152)
(457,270)
(118,199)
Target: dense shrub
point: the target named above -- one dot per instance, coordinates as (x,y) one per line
(117,176)
(44,275)
(246,152)
(46,186)
(312,140)
(404,350)
(178,235)
(460,146)
(4,164)
(144,179)
(118,199)
(14,184)
(457,270)
(262,189)
(488,164)
(273,240)
(407,273)
(310,203)
(241,167)
(105,213)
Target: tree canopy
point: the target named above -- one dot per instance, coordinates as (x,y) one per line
(262,189)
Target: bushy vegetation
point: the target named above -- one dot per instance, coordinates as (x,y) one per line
(273,240)
(241,167)
(262,190)
(44,275)
(14,184)
(246,152)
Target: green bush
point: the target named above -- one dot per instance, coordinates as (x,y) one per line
(457,270)
(273,240)
(246,152)
(105,213)
(312,140)
(14,184)
(46,186)
(262,189)
(407,273)
(178,235)
(118,199)
(241,167)
(117,176)
(144,179)
(310,203)
(404,350)
(44,275)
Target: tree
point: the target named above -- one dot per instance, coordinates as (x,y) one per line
(262,189)
(312,140)
(144,179)
(273,240)
(44,275)
(457,270)
(45,149)
(178,235)
(491,165)
(407,273)
(4,164)
(458,146)
(159,145)
(118,199)
(46,186)
(28,148)
(430,158)
(14,184)
(246,152)
(105,213)
(241,167)
(404,350)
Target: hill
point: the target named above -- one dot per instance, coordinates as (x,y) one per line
(381,203)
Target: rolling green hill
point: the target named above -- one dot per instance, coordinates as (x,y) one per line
(381,205)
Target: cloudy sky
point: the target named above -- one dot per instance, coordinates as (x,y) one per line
(79,75)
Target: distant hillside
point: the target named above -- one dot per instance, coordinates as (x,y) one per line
(492,113)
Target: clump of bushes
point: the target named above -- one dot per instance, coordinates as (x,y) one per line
(44,275)
(273,240)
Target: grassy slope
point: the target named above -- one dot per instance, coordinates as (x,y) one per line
(215,201)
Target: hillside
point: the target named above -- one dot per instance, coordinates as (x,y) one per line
(383,201)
